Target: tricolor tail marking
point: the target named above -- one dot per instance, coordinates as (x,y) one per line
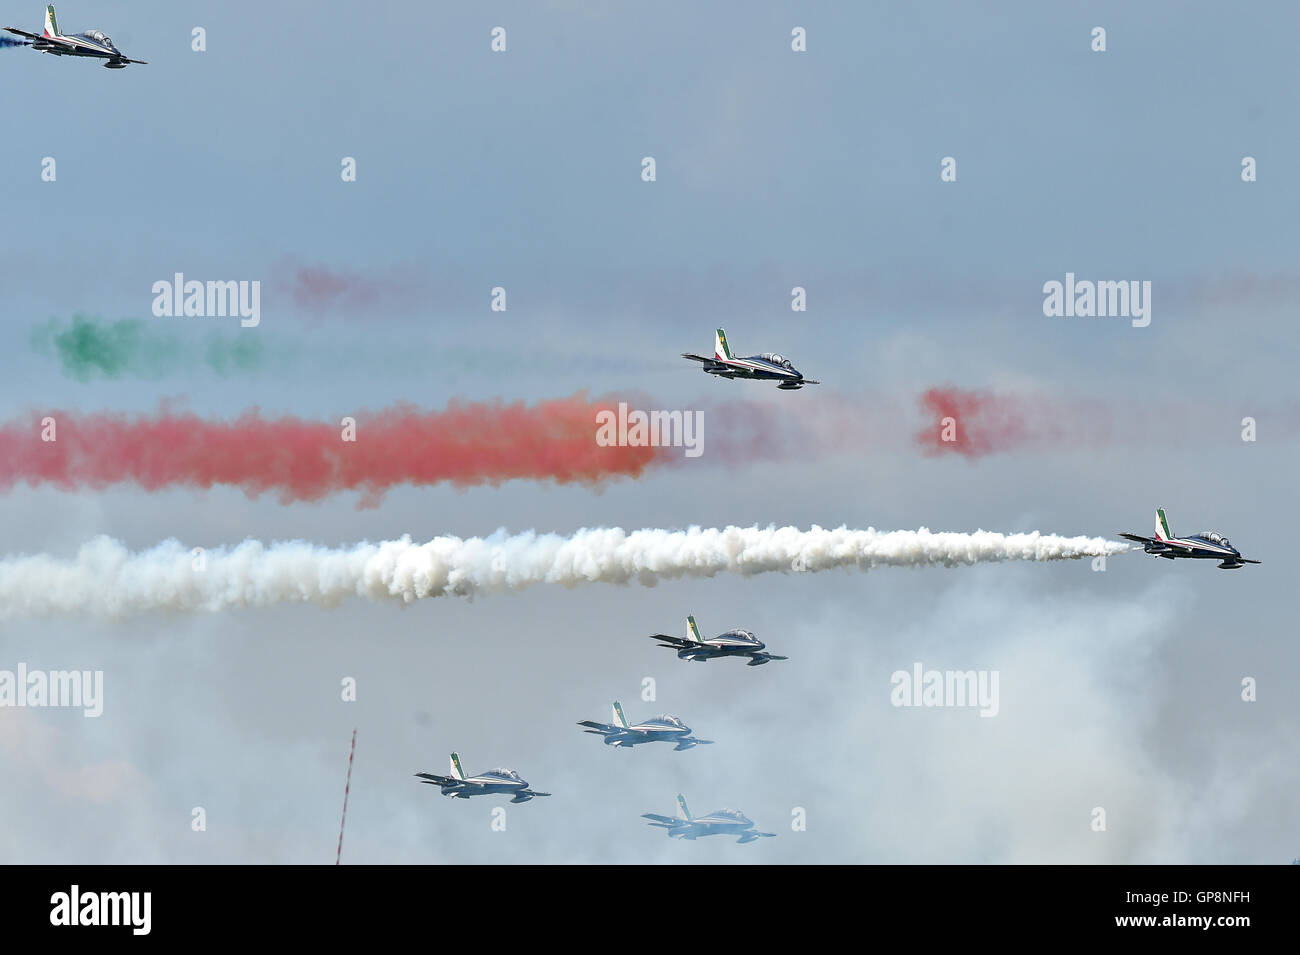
(720,349)
(692,631)
(682,812)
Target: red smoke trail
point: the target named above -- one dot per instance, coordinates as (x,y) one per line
(316,287)
(465,444)
(323,291)
(980,423)
(970,423)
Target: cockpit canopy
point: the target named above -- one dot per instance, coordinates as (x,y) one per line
(99,37)
(508,773)
(1214,538)
(777,359)
(670,720)
(740,634)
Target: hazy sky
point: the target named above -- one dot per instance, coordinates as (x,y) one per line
(1119,689)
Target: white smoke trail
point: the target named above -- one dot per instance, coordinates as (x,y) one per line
(106,579)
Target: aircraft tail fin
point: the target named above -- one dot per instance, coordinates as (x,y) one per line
(51,21)
(720,349)
(619,719)
(692,631)
(682,812)
(1162,526)
(456,771)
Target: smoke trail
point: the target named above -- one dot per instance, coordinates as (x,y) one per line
(91,348)
(465,444)
(324,291)
(318,288)
(106,579)
(979,423)
(970,423)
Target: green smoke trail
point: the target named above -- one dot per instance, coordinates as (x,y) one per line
(130,348)
(90,349)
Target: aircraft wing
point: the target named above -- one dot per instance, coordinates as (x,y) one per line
(530,793)
(674,642)
(809,381)
(661,820)
(688,355)
(435,780)
(30,36)
(599,727)
(1140,539)
(1247,560)
(141,62)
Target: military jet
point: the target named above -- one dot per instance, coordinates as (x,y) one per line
(92,43)
(459,786)
(1206,545)
(768,366)
(721,822)
(668,729)
(733,643)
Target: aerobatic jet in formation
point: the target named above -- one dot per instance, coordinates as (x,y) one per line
(733,643)
(459,786)
(668,729)
(92,43)
(720,822)
(1207,545)
(768,366)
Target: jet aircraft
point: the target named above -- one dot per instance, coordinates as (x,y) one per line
(768,366)
(1207,545)
(721,822)
(459,786)
(733,643)
(92,43)
(668,729)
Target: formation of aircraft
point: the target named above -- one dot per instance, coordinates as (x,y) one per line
(459,786)
(620,732)
(668,729)
(720,822)
(1206,545)
(733,643)
(768,366)
(743,643)
(92,43)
